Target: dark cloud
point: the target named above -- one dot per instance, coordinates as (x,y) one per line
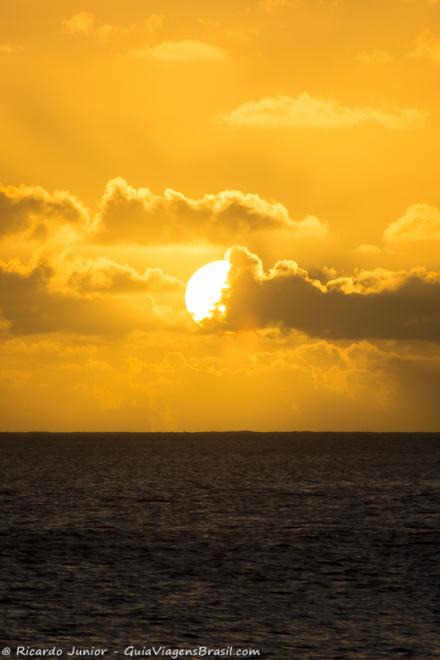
(376,304)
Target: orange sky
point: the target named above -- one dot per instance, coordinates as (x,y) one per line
(298,139)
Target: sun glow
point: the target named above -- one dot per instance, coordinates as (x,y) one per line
(204,289)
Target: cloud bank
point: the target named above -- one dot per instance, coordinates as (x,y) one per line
(138,216)
(378,304)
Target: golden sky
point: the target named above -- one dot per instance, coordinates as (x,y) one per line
(297,139)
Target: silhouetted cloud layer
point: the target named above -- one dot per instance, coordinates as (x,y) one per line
(368,304)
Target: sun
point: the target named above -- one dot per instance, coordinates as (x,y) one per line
(204,289)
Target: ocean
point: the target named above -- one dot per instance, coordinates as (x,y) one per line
(295,545)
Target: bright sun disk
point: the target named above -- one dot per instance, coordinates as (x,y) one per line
(204,289)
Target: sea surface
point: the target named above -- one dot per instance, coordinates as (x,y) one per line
(300,545)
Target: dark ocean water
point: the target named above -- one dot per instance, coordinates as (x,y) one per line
(299,545)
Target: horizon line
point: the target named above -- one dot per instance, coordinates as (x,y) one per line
(229,432)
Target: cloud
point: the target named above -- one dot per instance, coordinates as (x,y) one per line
(270,6)
(421,222)
(426,47)
(32,207)
(154,22)
(127,214)
(107,32)
(182,51)
(9,49)
(368,249)
(140,382)
(82,276)
(137,215)
(367,305)
(41,299)
(317,112)
(375,56)
(82,23)
(234,32)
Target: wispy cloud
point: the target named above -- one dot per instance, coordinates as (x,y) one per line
(182,51)
(376,56)
(317,112)
(270,6)
(84,24)
(426,47)
(9,49)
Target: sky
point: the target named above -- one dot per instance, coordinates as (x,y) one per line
(296,139)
